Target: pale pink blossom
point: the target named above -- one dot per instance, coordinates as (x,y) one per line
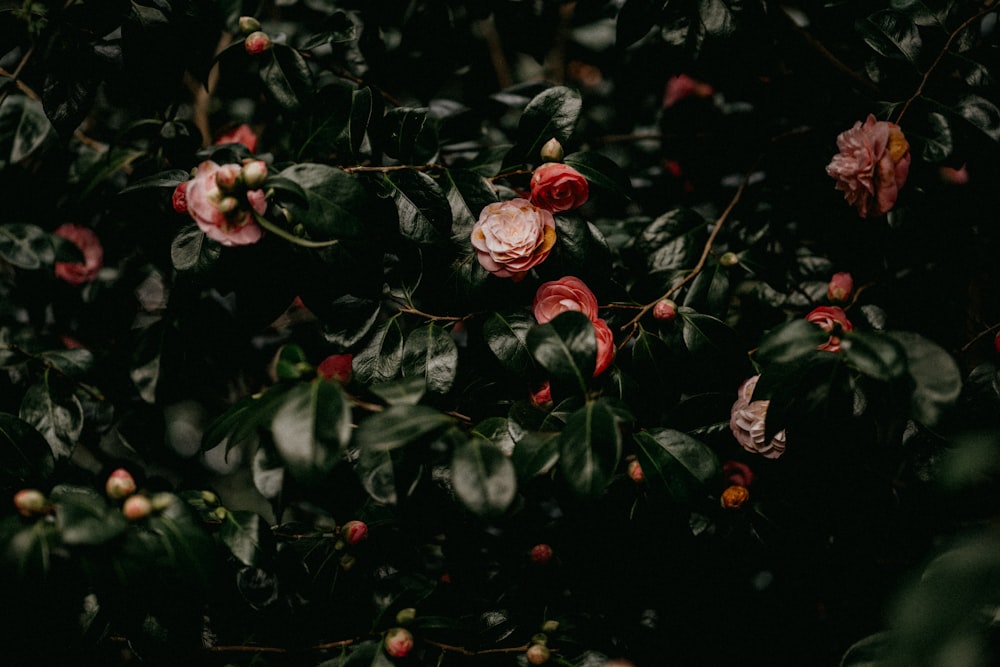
(215,212)
(872,165)
(558,296)
(747,422)
(840,287)
(511,237)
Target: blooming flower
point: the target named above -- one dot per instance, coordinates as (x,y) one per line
(77,273)
(605,346)
(225,217)
(747,423)
(872,165)
(558,296)
(833,320)
(242,134)
(558,187)
(513,236)
(840,287)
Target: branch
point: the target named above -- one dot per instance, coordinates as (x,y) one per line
(981,334)
(291,238)
(827,55)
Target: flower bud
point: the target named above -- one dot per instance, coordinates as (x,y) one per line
(30,502)
(221,513)
(120,484)
(249,24)
(257,42)
(179,199)
(228,204)
(729,259)
(541,554)
(840,287)
(254,172)
(137,507)
(348,561)
(162,501)
(996,343)
(665,309)
(550,626)
(354,532)
(540,638)
(228,176)
(209,498)
(538,654)
(406,616)
(542,397)
(734,497)
(635,472)
(398,642)
(552,151)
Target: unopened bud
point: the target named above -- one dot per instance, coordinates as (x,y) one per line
(228,176)
(254,173)
(406,616)
(541,554)
(540,638)
(734,497)
(354,532)
(179,198)
(228,204)
(840,287)
(729,259)
(30,502)
(120,484)
(162,501)
(257,42)
(635,472)
(665,309)
(137,507)
(552,151)
(249,24)
(550,626)
(538,654)
(209,498)
(398,642)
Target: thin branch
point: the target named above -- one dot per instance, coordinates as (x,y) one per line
(827,55)
(291,238)
(981,334)
(464,651)
(394,167)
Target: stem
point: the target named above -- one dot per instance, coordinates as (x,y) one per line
(288,236)
(93,392)
(464,651)
(394,167)
(827,55)
(981,334)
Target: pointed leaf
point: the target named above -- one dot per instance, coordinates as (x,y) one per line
(424,211)
(892,34)
(25,246)
(381,359)
(431,353)
(84,516)
(552,114)
(589,448)
(507,334)
(399,426)
(635,19)
(248,537)
(468,194)
(601,171)
(311,429)
(876,355)
(935,373)
(336,201)
(483,477)
(676,463)
(58,416)
(192,251)
(566,347)
(26,459)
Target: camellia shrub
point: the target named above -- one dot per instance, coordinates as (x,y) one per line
(608,332)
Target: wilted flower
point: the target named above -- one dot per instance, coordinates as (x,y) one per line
(558,187)
(872,165)
(513,236)
(747,423)
(216,213)
(558,296)
(840,287)
(77,273)
(834,320)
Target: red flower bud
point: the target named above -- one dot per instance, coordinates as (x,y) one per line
(30,502)
(257,42)
(734,497)
(840,287)
(542,397)
(541,554)
(120,484)
(354,532)
(254,172)
(137,507)
(179,198)
(538,654)
(249,24)
(398,642)
(665,309)
(635,472)
(336,367)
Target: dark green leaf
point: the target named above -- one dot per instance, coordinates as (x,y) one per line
(552,114)
(165,179)
(192,251)
(675,463)
(382,358)
(71,363)
(483,477)
(248,537)
(579,245)
(291,363)
(507,334)
(431,353)
(876,355)
(412,137)
(566,347)
(326,129)
(589,448)
(362,114)
(981,114)
(399,426)
(351,320)
(336,28)
(311,429)
(497,431)
(336,201)
(57,415)
(601,172)
(28,549)
(23,119)
(268,474)
(404,391)
(790,341)
(716,17)
(26,246)
(105,169)
(867,652)
(709,291)
(84,516)
(286,76)
(655,367)
(892,34)
(635,19)
(147,347)
(26,459)
(935,373)
(468,194)
(424,211)
(535,454)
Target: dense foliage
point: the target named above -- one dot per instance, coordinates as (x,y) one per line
(499,332)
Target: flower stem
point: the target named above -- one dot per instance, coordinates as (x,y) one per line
(288,236)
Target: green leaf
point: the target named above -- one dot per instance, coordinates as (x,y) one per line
(26,246)
(982,114)
(351,319)
(566,347)
(635,19)
(28,549)
(336,28)
(935,373)
(552,114)
(431,353)
(468,193)
(675,463)
(84,516)
(286,76)
(411,136)
(103,171)
(717,17)
(875,355)
(147,347)
(655,367)
(483,477)
(248,537)
(579,245)
(404,391)
(268,474)
(23,119)
(399,426)
(867,652)
(187,551)
(535,454)
(381,359)
(291,363)
(934,137)
(328,121)
(589,448)
(601,172)
(71,363)
(311,429)
(57,415)
(424,211)
(26,459)
(336,201)
(497,431)
(165,179)
(192,251)
(363,105)
(672,241)
(506,335)
(892,34)
(790,341)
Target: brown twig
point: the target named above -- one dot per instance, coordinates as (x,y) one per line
(393,167)
(981,334)
(464,651)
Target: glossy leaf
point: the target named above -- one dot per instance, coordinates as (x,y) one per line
(468,194)
(982,114)
(240,422)
(506,333)
(635,19)
(717,17)
(336,28)
(676,463)
(656,368)
(26,459)
(84,516)
(336,201)
(935,373)
(790,341)
(352,319)
(268,474)
(382,357)
(483,477)
(497,431)
(24,120)
(412,136)
(192,251)
(601,172)
(74,362)
(399,426)
(311,429)
(286,77)
(536,453)
(424,211)
(552,114)
(248,537)
(589,448)
(430,352)
(57,415)
(403,391)
(363,105)
(566,347)
(291,363)
(25,246)
(168,180)
(877,356)
(892,34)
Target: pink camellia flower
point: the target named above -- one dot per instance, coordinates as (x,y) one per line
(605,346)
(77,273)
(736,472)
(336,367)
(242,134)
(681,86)
(747,423)
(224,218)
(833,320)
(513,236)
(872,165)
(257,42)
(558,187)
(558,296)
(840,287)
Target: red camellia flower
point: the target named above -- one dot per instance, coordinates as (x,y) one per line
(242,134)
(558,296)
(398,642)
(541,554)
(833,320)
(542,397)
(747,423)
(336,367)
(872,165)
(558,187)
(840,287)
(225,217)
(77,273)
(681,86)
(179,198)
(513,236)
(605,346)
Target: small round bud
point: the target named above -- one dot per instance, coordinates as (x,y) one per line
(734,497)
(162,501)
(221,513)
(540,638)
(179,199)
(228,204)
(538,654)
(665,309)
(120,484)
(635,472)
(249,24)
(209,498)
(228,176)
(257,42)
(348,561)
(137,507)
(541,554)
(30,502)
(552,151)
(354,532)
(729,259)
(406,616)
(840,287)
(254,173)
(550,626)
(398,642)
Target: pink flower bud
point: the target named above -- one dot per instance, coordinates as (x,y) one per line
(354,532)
(30,502)
(257,42)
(552,151)
(120,484)
(179,198)
(228,176)
(249,24)
(635,472)
(336,367)
(254,173)
(137,507)
(542,397)
(398,642)
(665,309)
(538,654)
(840,287)
(541,554)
